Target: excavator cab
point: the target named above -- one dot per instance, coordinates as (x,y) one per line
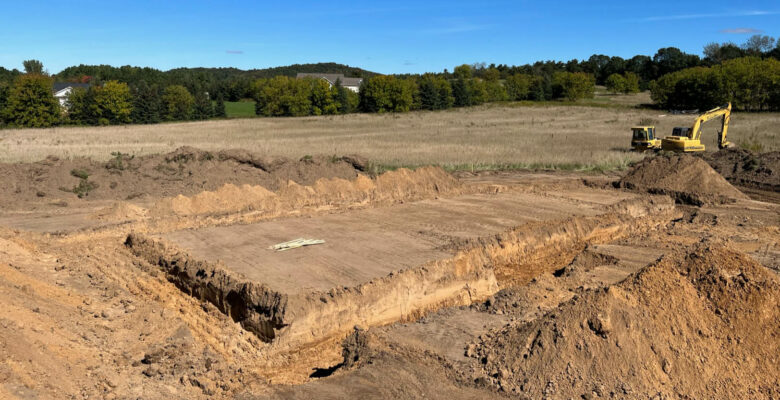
(643,138)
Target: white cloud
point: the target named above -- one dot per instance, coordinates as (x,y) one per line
(741,31)
(754,13)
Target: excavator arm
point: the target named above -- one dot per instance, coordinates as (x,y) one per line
(723,111)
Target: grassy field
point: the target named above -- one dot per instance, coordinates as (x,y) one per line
(594,136)
(240,109)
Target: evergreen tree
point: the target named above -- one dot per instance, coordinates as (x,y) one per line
(147,104)
(434,93)
(219,108)
(202,109)
(460,88)
(4,90)
(81,106)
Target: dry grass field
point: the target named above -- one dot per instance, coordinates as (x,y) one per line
(595,135)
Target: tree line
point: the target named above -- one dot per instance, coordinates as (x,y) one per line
(30,102)
(746,75)
(749,83)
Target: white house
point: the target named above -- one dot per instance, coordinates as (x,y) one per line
(352,84)
(63,89)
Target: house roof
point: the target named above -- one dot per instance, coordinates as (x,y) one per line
(332,78)
(58,86)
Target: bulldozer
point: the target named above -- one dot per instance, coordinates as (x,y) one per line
(686,139)
(643,138)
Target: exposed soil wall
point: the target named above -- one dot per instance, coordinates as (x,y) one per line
(389,187)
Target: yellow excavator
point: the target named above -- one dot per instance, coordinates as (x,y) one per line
(689,139)
(683,139)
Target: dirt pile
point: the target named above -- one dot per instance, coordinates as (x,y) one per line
(687,179)
(701,325)
(184,171)
(392,186)
(745,168)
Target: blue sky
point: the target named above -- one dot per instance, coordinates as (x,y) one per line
(387,37)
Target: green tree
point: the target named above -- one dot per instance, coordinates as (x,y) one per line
(202,108)
(147,104)
(81,107)
(541,88)
(114,103)
(632,82)
(574,85)
(616,83)
(462,87)
(692,88)
(219,107)
(478,91)
(284,96)
(434,93)
(384,93)
(33,67)
(177,103)
(346,100)
(256,88)
(321,97)
(518,86)
(4,90)
(494,90)
(671,59)
(31,102)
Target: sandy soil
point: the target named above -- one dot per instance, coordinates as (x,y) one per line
(590,291)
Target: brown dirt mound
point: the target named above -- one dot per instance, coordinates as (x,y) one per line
(119,212)
(686,178)
(392,186)
(745,168)
(184,171)
(702,325)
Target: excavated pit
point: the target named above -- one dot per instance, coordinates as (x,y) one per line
(387,264)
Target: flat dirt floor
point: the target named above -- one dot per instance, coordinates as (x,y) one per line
(658,283)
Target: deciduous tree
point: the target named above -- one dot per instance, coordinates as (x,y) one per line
(31,102)
(33,67)
(177,102)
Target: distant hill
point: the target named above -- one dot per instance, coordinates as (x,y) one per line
(232,83)
(133,75)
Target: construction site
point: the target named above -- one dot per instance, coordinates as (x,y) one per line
(198,274)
